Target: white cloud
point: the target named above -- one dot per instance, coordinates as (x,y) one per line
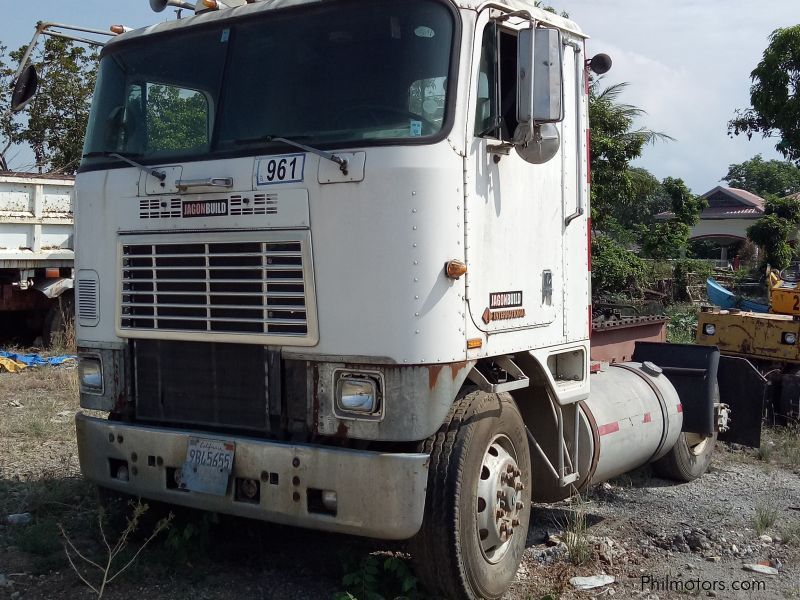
(688,64)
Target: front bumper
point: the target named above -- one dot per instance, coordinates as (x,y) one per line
(379,495)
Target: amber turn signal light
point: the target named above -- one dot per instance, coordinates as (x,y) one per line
(474,343)
(455,269)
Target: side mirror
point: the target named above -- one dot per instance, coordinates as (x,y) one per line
(24,88)
(540,79)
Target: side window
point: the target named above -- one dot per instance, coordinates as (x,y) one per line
(486,96)
(177,119)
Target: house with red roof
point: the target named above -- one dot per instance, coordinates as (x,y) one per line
(725,220)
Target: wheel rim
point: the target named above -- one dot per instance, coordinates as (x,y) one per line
(696,443)
(500,500)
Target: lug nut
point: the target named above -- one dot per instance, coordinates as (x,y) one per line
(519,506)
(502,504)
(519,486)
(499,494)
(515,523)
(499,514)
(510,469)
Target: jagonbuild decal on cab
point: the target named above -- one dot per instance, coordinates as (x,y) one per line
(205,208)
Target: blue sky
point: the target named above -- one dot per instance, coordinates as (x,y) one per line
(688,64)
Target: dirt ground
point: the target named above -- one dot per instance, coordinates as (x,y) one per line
(657,539)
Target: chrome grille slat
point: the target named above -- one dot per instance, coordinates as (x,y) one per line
(215,280)
(216,268)
(242,294)
(221,319)
(193,287)
(251,307)
(226,254)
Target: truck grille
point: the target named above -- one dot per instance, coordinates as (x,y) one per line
(217,287)
(201,383)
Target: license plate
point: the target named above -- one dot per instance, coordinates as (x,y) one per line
(208,466)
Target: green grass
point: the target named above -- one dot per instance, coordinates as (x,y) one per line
(765,517)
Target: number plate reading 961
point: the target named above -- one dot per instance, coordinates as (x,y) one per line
(208,465)
(286,168)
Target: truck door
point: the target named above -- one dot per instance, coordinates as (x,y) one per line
(516,230)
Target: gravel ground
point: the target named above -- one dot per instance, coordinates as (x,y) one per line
(640,529)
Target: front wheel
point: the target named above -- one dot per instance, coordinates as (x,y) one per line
(478,501)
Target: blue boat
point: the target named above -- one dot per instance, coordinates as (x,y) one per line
(726,299)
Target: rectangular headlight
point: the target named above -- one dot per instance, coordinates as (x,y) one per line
(90,375)
(357,393)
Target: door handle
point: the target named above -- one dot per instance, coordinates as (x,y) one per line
(223,182)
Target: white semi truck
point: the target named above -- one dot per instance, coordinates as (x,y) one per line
(333,271)
(36,255)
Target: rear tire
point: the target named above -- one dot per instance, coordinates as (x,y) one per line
(688,459)
(478,489)
(59,321)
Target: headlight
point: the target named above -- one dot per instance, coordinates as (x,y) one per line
(90,374)
(789,338)
(357,393)
(709,329)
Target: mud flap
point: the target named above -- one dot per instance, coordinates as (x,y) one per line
(693,371)
(744,389)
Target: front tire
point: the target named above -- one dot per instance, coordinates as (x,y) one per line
(478,500)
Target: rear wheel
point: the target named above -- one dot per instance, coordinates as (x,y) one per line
(478,501)
(689,457)
(59,323)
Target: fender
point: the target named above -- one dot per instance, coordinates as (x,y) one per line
(53,288)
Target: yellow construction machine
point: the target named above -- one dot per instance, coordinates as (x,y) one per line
(769,340)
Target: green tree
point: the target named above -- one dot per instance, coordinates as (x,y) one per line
(774,95)
(614,268)
(54,122)
(669,239)
(787,209)
(177,119)
(9,127)
(615,143)
(764,177)
(772,231)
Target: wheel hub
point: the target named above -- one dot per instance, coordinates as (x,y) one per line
(500,499)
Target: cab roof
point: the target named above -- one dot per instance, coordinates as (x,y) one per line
(264,6)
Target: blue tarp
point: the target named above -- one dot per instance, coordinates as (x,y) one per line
(37,360)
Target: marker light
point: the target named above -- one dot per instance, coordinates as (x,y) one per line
(455,269)
(789,338)
(120,29)
(709,329)
(211,4)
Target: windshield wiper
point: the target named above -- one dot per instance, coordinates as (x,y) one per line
(342,162)
(125,157)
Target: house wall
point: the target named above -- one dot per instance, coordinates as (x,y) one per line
(733,228)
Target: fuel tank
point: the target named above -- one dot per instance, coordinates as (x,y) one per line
(633,416)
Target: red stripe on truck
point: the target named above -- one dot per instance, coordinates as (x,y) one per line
(647,418)
(608,428)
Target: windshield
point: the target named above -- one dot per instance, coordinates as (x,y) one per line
(349,74)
